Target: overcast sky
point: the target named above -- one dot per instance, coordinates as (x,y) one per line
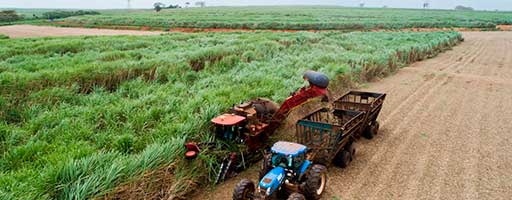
(98,4)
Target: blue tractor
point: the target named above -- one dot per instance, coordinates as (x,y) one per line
(285,171)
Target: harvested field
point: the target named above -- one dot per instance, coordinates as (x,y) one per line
(445,130)
(26,31)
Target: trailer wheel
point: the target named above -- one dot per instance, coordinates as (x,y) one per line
(369,132)
(296,196)
(352,150)
(375,127)
(244,190)
(316,180)
(342,159)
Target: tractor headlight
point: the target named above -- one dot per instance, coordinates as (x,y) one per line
(268,191)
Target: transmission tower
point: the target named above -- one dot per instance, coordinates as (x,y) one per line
(426,4)
(129,4)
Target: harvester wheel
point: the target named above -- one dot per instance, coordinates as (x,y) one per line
(266,165)
(316,180)
(296,196)
(342,159)
(244,190)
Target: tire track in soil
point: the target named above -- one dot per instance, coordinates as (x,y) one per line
(394,165)
(396,140)
(426,134)
(466,117)
(438,142)
(420,90)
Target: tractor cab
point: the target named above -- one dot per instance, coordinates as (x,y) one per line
(288,155)
(288,165)
(230,127)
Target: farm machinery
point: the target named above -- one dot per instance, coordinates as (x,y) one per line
(288,170)
(324,137)
(250,124)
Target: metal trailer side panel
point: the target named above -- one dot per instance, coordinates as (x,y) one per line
(326,137)
(367,102)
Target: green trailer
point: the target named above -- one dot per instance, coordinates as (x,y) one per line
(330,133)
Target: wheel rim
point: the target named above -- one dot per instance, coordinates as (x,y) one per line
(320,190)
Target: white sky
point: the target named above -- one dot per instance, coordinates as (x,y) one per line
(99,4)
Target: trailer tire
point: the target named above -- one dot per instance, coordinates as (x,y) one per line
(244,190)
(352,150)
(342,159)
(296,196)
(316,181)
(369,131)
(375,127)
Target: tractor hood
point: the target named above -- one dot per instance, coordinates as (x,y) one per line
(271,182)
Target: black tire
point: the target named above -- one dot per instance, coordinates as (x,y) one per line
(352,150)
(342,159)
(296,196)
(244,190)
(266,165)
(316,181)
(375,127)
(370,131)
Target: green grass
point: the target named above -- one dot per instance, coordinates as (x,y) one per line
(296,18)
(80,115)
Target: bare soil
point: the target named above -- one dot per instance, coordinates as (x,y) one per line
(445,131)
(26,31)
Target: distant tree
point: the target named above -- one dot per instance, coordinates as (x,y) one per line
(460,7)
(63,14)
(187,4)
(361,4)
(201,4)
(9,16)
(158,6)
(173,6)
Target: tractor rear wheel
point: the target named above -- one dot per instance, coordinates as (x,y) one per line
(316,181)
(244,190)
(342,159)
(296,196)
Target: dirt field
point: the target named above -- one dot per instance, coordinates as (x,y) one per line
(445,131)
(26,31)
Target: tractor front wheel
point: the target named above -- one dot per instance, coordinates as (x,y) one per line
(316,180)
(244,190)
(296,196)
